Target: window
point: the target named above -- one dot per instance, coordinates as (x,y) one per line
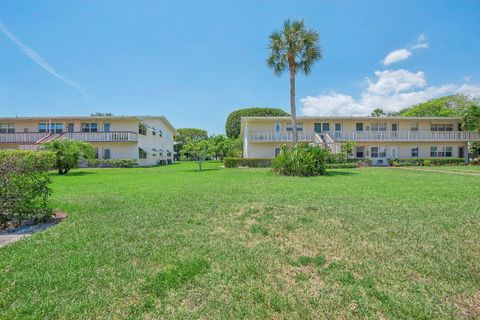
(70,127)
(106,153)
(414,127)
(442,127)
(438,152)
(360,152)
(142,154)
(394,126)
(160,133)
(154,132)
(359,127)
(276,151)
(50,127)
(379,127)
(142,129)
(7,127)
(89,127)
(379,152)
(299,127)
(414,152)
(96,153)
(461,152)
(338,127)
(106,127)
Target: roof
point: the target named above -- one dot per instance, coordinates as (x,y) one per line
(123,117)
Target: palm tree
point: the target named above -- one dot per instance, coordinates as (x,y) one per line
(297,48)
(378,112)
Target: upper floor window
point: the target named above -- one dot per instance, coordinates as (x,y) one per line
(436,152)
(106,127)
(89,127)
(442,127)
(142,129)
(359,127)
(414,126)
(160,133)
(299,127)
(378,127)
(50,127)
(394,126)
(338,127)
(7,127)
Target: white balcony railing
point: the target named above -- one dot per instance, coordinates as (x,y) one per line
(22,137)
(119,136)
(309,136)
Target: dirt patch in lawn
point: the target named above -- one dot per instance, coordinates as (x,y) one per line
(14,234)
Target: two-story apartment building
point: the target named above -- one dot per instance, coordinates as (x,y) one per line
(378,138)
(147,139)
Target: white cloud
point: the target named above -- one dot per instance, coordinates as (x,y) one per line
(392,90)
(40,61)
(404,54)
(396,56)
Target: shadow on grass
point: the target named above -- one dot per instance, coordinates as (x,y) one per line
(203,170)
(75,174)
(331,173)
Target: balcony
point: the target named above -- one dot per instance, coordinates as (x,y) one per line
(40,137)
(310,136)
(23,137)
(114,136)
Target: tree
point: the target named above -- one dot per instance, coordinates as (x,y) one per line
(470,115)
(448,106)
(232,126)
(69,153)
(296,48)
(199,150)
(378,112)
(184,133)
(348,147)
(226,147)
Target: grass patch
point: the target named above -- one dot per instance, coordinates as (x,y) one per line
(171,243)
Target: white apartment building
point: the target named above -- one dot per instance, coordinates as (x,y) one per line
(377,138)
(147,139)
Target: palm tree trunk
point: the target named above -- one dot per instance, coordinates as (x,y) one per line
(293,110)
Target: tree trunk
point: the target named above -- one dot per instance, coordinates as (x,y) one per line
(293,110)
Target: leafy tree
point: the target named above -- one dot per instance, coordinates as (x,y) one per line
(226,147)
(448,106)
(348,147)
(199,150)
(184,133)
(378,112)
(296,48)
(232,126)
(69,153)
(470,115)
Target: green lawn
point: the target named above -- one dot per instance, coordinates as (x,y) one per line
(169,242)
(472,169)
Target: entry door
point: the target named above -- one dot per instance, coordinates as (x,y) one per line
(70,127)
(317,127)
(394,152)
(325,127)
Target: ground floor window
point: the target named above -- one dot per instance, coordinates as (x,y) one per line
(96,153)
(142,154)
(360,152)
(106,153)
(276,151)
(414,152)
(438,152)
(379,152)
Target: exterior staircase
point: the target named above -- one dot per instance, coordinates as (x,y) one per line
(327,142)
(34,147)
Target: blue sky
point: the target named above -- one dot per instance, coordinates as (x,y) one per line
(196,61)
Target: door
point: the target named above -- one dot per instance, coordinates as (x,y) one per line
(325,127)
(394,152)
(70,127)
(461,152)
(317,127)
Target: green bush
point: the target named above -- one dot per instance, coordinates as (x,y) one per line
(342,165)
(232,126)
(24,184)
(110,163)
(247,162)
(340,157)
(69,153)
(301,160)
(401,162)
(475,162)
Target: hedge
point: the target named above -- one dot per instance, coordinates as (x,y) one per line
(110,163)
(24,185)
(401,162)
(342,165)
(247,162)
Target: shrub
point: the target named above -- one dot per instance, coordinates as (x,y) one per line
(24,184)
(475,162)
(340,157)
(301,160)
(110,163)
(69,153)
(247,162)
(426,162)
(342,165)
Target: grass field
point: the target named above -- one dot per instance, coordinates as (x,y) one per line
(468,169)
(169,242)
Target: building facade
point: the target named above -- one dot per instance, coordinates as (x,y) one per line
(377,138)
(147,139)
